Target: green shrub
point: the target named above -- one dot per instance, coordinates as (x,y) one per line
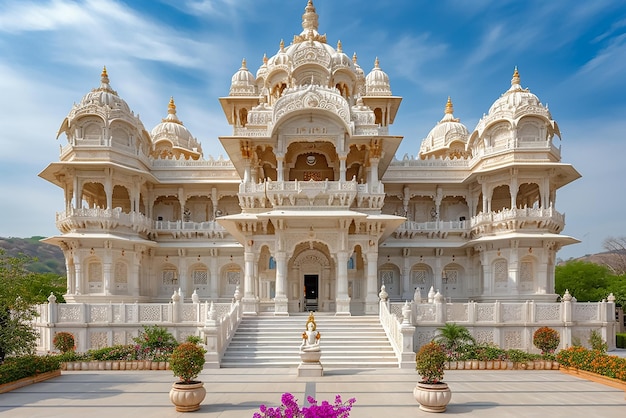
(620,340)
(520,356)
(64,342)
(16,368)
(187,361)
(116,352)
(596,342)
(594,361)
(154,342)
(546,339)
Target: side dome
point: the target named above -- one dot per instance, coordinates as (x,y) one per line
(172,139)
(105,96)
(341,60)
(243,82)
(515,99)
(377,82)
(261,73)
(447,139)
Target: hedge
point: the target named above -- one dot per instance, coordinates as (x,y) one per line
(620,340)
(16,368)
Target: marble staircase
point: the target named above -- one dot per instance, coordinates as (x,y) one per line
(346,342)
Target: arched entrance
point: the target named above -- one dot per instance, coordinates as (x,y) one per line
(311,279)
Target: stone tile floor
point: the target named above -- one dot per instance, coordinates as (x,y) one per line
(380,393)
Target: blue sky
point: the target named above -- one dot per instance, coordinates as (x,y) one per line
(572,55)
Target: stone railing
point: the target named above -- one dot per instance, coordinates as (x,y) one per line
(399,332)
(100,325)
(292,194)
(440,229)
(511,324)
(110,219)
(208,229)
(96,218)
(518,219)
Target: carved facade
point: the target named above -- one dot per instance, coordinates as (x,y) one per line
(312,210)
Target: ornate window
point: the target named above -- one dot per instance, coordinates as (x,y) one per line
(94,271)
(169,276)
(500,274)
(121,275)
(526,275)
(200,277)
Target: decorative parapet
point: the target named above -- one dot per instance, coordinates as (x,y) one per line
(85,219)
(434,229)
(517,219)
(102,219)
(321,194)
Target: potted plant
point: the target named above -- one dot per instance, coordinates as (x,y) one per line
(187,362)
(431,392)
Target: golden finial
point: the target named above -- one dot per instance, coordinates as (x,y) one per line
(449,107)
(309,18)
(516,78)
(171,107)
(265,59)
(354,58)
(376,63)
(243,64)
(339,49)
(282,45)
(104,72)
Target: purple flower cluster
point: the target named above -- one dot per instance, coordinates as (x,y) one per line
(291,409)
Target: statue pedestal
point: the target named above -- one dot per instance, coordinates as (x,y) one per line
(310,366)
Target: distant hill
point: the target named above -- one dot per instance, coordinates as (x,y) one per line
(49,257)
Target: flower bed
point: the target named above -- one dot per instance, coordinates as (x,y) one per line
(594,361)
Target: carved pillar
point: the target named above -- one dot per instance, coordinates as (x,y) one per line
(248,301)
(78,202)
(371,298)
(280,160)
(280,300)
(514,188)
(108,187)
(214,274)
(135,272)
(407,292)
(343,300)
(182,273)
(107,261)
(342,167)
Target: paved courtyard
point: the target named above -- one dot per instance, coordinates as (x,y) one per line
(379,393)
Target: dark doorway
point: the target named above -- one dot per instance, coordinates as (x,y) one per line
(310,291)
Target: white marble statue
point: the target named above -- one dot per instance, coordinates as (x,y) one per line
(310,337)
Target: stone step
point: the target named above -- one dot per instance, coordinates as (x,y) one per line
(346,342)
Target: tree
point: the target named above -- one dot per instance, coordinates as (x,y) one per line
(17,301)
(587,282)
(615,257)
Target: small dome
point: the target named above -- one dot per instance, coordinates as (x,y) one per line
(242,82)
(377,82)
(447,138)
(515,98)
(171,130)
(281,59)
(340,59)
(104,96)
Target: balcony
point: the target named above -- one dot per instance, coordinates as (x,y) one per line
(528,220)
(107,220)
(512,220)
(96,219)
(434,229)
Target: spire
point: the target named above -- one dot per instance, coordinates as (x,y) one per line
(282,45)
(376,63)
(354,58)
(171,113)
(243,64)
(449,107)
(104,82)
(264,59)
(310,18)
(516,79)
(339,47)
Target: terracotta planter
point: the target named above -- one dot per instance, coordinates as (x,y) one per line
(594,377)
(187,397)
(432,397)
